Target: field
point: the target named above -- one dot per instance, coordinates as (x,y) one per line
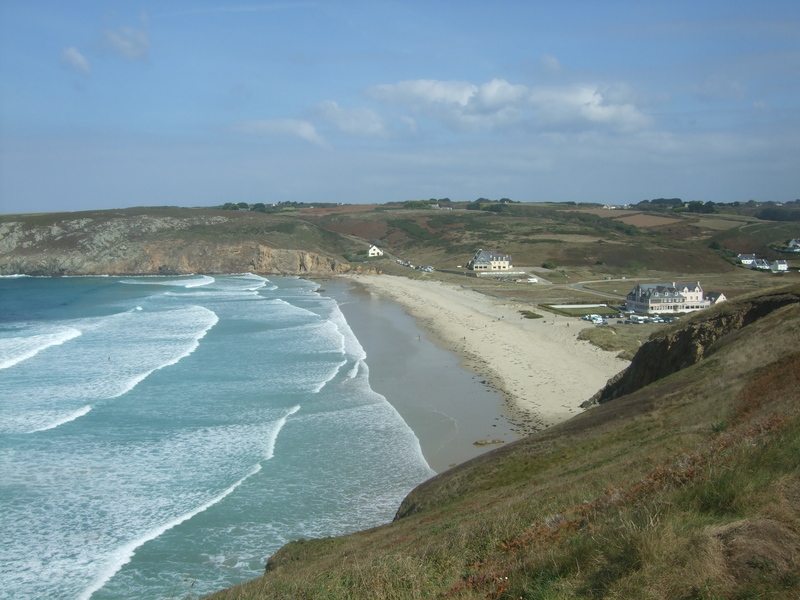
(646,220)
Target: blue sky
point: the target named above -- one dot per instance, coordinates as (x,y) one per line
(109,104)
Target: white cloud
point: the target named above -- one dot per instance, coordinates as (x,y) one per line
(422,93)
(354,121)
(283,128)
(497,95)
(73,59)
(580,106)
(499,104)
(550,63)
(129,43)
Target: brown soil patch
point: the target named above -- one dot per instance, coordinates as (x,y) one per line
(642,220)
(760,549)
(334,210)
(603,212)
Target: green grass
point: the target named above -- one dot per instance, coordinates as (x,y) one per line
(529,314)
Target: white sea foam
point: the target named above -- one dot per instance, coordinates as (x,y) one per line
(331,375)
(132,382)
(186,281)
(350,342)
(70,417)
(273,436)
(14,350)
(114,354)
(120,556)
(204,280)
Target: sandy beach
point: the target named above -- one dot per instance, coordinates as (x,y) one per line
(448,408)
(539,366)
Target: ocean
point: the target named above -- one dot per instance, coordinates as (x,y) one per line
(160,437)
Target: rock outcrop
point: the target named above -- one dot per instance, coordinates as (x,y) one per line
(144,244)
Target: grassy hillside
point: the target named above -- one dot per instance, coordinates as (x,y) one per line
(583,243)
(687,488)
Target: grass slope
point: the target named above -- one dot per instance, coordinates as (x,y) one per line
(687,488)
(534,234)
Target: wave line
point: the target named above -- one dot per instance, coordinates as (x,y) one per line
(45,341)
(124,554)
(70,417)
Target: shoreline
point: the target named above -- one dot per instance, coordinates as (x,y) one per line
(453,414)
(539,366)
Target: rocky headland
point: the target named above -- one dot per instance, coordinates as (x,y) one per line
(164,242)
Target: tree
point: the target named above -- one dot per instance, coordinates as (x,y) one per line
(697,206)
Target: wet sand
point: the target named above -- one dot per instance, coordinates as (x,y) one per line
(446,406)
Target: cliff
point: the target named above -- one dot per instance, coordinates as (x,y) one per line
(686,344)
(685,485)
(165,242)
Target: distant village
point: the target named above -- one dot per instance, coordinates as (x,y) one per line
(646,302)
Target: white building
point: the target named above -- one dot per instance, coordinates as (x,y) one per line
(374,251)
(663,298)
(489,261)
(746,259)
(762,264)
(779,266)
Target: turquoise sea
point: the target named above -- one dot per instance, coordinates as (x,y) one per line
(162,436)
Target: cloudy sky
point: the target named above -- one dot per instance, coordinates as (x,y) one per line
(108,104)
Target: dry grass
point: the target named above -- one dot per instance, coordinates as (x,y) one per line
(624,339)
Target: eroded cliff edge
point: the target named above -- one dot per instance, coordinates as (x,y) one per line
(687,343)
(165,242)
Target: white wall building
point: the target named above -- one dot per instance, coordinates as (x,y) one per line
(374,251)
(489,261)
(779,265)
(664,298)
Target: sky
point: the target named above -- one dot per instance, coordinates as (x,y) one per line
(109,104)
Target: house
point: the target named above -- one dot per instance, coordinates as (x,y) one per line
(715,297)
(374,251)
(779,266)
(762,264)
(794,245)
(489,261)
(745,259)
(663,297)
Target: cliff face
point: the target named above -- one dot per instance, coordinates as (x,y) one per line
(144,244)
(688,343)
